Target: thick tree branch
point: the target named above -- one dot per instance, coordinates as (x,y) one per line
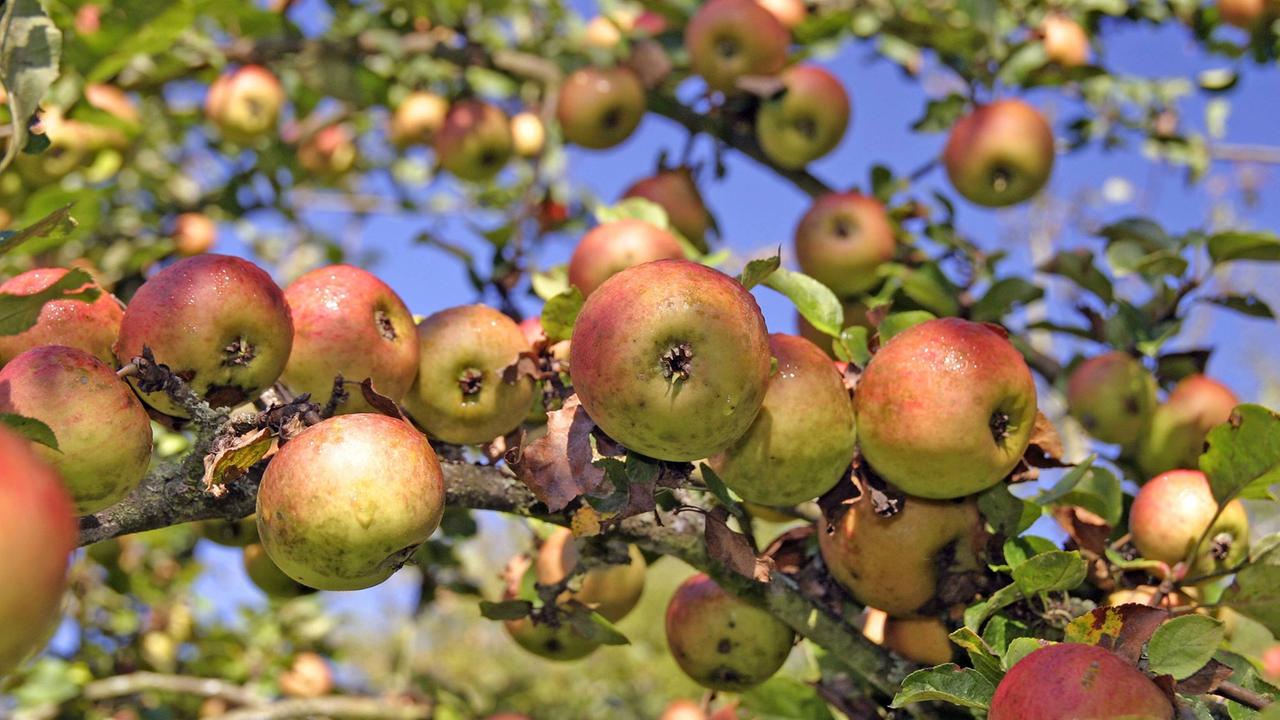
(335,706)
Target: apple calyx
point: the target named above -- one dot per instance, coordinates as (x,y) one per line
(677,361)
(471,381)
(238,353)
(385,327)
(999,425)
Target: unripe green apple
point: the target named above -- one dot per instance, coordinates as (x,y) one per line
(245,103)
(87,326)
(1071,680)
(194,233)
(561,643)
(459,395)
(802,441)
(676,193)
(1113,396)
(612,590)
(417,119)
(613,247)
(893,563)
(600,107)
(38,532)
(842,240)
(1000,154)
(231,533)
(1172,512)
(348,322)
(268,578)
(945,409)
(806,121)
(1065,41)
(925,641)
(1175,436)
(330,152)
(475,142)
(671,359)
(722,642)
(727,39)
(392,497)
(219,322)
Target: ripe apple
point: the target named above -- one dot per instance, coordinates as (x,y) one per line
(1144,594)
(802,441)
(1175,436)
(103,433)
(38,532)
(676,193)
(1112,396)
(683,710)
(1271,664)
(894,563)
(842,240)
(1172,512)
(788,12)
(613,247)
(219,322)
(599,107)
(1072,680)
(231,533)
(945,409)
(330,152)
(602,33)
(650,24)
(348,322)
(1242,13)
(671,359)
(1000,154)
(475,142)
(88,326)
(392,492)
(417,119)
(612,590)
(727,39)
(1065,41)
(925,640)
(459,395)
(806,121)
(269,578)
(309,676)
(722,642)
(528,134)
(194,233)
(245,103)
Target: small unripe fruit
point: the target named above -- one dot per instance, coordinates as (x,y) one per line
(88,326)
(1173,511)
(232,533)
(1065,41)
(1112,396)
(727,39)
(921,640)
(613,247)
(561,643)
(612,590)
(475,142)
(599,108)
(1071,680)
(245,103)
(722,642)
(1175,436)
(330,152)
(806,121)
(842,240)
(269,578)
(1000,154)
(676,193)
(417,119)
(194,233)
(528,134)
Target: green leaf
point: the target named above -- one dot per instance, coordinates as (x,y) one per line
(1002,296)
(505,610)
(940,115)
(982,657)
(550,282)
(634,209)
(20,312)
(784,698)
(56,224)
(898,322)
(1128,257)
(721,492)
(1002,631)
(1006,513)
(931,290)
(1146,234)
(30,428)
(1022,62)
(814,300)
(1183,645)
(1250,305)
(1055,571)
(1243,455)
(853,345)
(1077,266)
(157,36)
(1100,493)
(883,185)
(1020,648)
(1018,550)
(757,271)
(30,50)
(594,627)
(948,683)
(1244,245)
(1066,483)
(976,615)
(559,314)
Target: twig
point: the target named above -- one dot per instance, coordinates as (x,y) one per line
(1242,695)
(337,706)
(140,682)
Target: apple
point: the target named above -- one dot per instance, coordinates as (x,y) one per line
(392,492)
(330,152)
(528,135)
(194,233)
(245,103)
(600,107)
(728,39)
(788,12)
(475,142)
(1065,42)
(671,359)
(268,578)
(802,441)
(925,640)
(1175,436)
(417,119)
(231,533)
(38,532)
(1242,13)
(676,193)
(219,322)
(112,100)
(1172,512)
(1072,680)
(1112,396)
(88,326)
(613,247)
(806,121)
(562,643)
(1144,594)
(508,716)
(842,240)
(346,321)
(897,563)
(309,676)
(459,395)
(945,408)
(1000,154)
(721,641)
(611,590)
(1271,664)
(649,23)
(601,33)
(683,710)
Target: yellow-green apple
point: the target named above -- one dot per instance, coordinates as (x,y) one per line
(1173,511)
(475,141)
(842,240)
(946,408)
(245,103)
(1175,436)
(232,533)
(563,642)
(88,326)
(392,492)
(38,532)
(802,441)
(308,676)
(676,193)
(895,563)
(268,578)
(1000,154)
(788,12)
(103,432)
(1112,395)
(348,322)
(1145,594)
(460,395)
(1073,680)
(925,640)
(219,322)
(806,121)
(528,135)
(728,39)
(194,233)
(611,590)
(721,641)
(608,249)
(330,152)
(602,33)
(671,359)
(599,107)
(1065,41)
(417,119)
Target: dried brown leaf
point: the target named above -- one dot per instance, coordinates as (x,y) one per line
(557,466)
(233,456)
(1206,679)
(380,402)
(732,549)
(1122,629)
(1045,449)
(789,550)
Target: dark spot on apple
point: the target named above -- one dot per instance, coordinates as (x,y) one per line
(806,126)
(489,158)
(724,646)
(238,353)
(999,424)
(611,119)
(1132,405)
(676,361)
(844,228)
(727,47)
(385,328)
(554,645)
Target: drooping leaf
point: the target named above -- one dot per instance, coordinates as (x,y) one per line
(1184,645)
(1250,305)
(560,313)
(814,300)
(559,466)
(757,271)
(1243,454)
(1244,245)
(30,428)
(948,683)
(30,52)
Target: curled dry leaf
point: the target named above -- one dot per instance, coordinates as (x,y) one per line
(838,500)
(1045,449)
(380,402)
(1206,679)
(733,549)
(233,455)
(788,550)
(1089,534)
(1122,629)
(557,467)
(527,364)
